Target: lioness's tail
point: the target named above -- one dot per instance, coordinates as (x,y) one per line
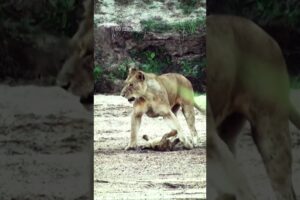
(294,116)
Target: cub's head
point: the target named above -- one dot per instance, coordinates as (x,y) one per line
(135,85)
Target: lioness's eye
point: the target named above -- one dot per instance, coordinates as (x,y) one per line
(130,85)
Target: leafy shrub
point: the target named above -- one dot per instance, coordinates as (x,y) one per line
(59,17)
(188,6)
(184,27)
(122,70)
(151,63)
(97,72)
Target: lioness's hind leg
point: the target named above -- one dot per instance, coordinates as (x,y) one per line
(173,122)
(271,135)
(175,109)
(230,128)
(189,114)
(223,171)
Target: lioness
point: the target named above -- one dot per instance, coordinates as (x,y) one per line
(76,74)
(161,95)
(248,80)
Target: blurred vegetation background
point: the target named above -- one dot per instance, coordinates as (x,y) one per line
(33,37)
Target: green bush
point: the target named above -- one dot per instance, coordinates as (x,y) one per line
(57,18)
(122,70)
(98,72)
(193,68)
(188,6)
(184,27)
(151,63)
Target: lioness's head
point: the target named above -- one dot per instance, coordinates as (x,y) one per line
(135,86)
(76,76)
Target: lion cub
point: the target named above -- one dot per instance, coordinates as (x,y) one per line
(160,95)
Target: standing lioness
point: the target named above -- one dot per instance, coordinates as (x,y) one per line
(247,80)
(160,95)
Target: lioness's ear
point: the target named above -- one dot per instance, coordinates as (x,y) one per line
(140,76)
(132,66)
(132,69)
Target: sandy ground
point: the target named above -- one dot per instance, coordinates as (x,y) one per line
(120,174)
(45,151)
(45,145)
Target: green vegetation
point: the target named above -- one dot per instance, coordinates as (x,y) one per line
(57,18)
(193,68)
(119,73)
(152,60)
(124,2)
(138,36)
(122,70)
(264,12)
(188,6)
(151,63)
(295,82)
(184,27)
(98,72)
(272,10)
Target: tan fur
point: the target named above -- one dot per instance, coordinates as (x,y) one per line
(76,74)
(161,95)
(166,143)
(223,172)
(248,80)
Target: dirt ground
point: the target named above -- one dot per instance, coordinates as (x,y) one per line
(45,145)
(146,174)
(45,151)
(120,174)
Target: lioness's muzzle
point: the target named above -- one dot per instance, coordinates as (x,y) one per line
(87,100)
(131,99)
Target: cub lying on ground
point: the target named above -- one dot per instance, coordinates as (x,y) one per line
(160,95)
(166,143)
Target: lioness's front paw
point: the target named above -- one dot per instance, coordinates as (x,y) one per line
(131,147)
(186,143)
(195,141)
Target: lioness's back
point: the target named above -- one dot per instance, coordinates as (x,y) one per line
(240,56)
(176,85)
